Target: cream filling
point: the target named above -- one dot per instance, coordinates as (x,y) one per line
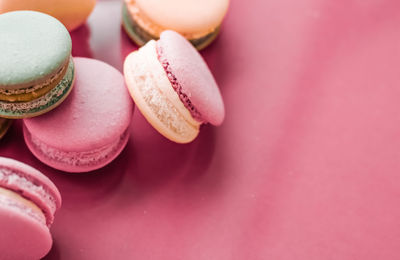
(16,202)
(43,100)
(10,177)
(10,92)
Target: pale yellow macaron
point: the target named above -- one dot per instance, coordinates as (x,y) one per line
(198,21)
(72,13)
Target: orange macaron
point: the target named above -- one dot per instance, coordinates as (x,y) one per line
(72,13)
(198,21)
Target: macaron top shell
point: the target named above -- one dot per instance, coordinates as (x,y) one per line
(185,16)
(98,110)
(31,184)
(193,75)
(33,46)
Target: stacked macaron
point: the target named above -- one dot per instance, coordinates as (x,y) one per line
(28,202)
(197,21)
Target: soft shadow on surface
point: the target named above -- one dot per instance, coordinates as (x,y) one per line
(127,45)
(13,145)
(87,190)
(80,42)
(54,253)
(158,161)
(78,190)
(7,138)
(217,58)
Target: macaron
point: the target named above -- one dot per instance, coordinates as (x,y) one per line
(90,128)
(4,126)
(197,21)
(173,87)
(72,13)
(28,202)
(36,68)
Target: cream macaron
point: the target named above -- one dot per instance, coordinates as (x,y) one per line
(173,87)
(198,21)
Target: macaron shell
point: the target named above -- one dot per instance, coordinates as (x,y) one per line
(72,13)
(185,16)
(193,75)
(97,112)
(35,177)
(33,47)
(22,237)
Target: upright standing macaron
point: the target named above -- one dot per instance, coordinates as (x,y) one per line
(28,202)
(173,87)
(90,128)
(4,125)
(72,13)
(36,68)
(198,21)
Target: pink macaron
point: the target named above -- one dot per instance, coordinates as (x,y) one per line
(90,128)
(173,87)
(28,202)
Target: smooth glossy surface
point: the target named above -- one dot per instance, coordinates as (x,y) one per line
(305,166)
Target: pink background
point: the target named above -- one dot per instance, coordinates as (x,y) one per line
(305,166)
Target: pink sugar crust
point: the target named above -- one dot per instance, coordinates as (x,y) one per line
(191,77)
(177,87)
(96,113)
(76,161)
(30,184)
(21,236)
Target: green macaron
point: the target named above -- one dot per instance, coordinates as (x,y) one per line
(36,67)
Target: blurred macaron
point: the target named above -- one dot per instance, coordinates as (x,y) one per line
(197,21)
(72,13)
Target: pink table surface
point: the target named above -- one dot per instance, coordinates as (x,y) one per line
(305,166)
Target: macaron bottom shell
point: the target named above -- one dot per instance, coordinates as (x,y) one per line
(75,162)
(43,104)
(21,236)
(140,36)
